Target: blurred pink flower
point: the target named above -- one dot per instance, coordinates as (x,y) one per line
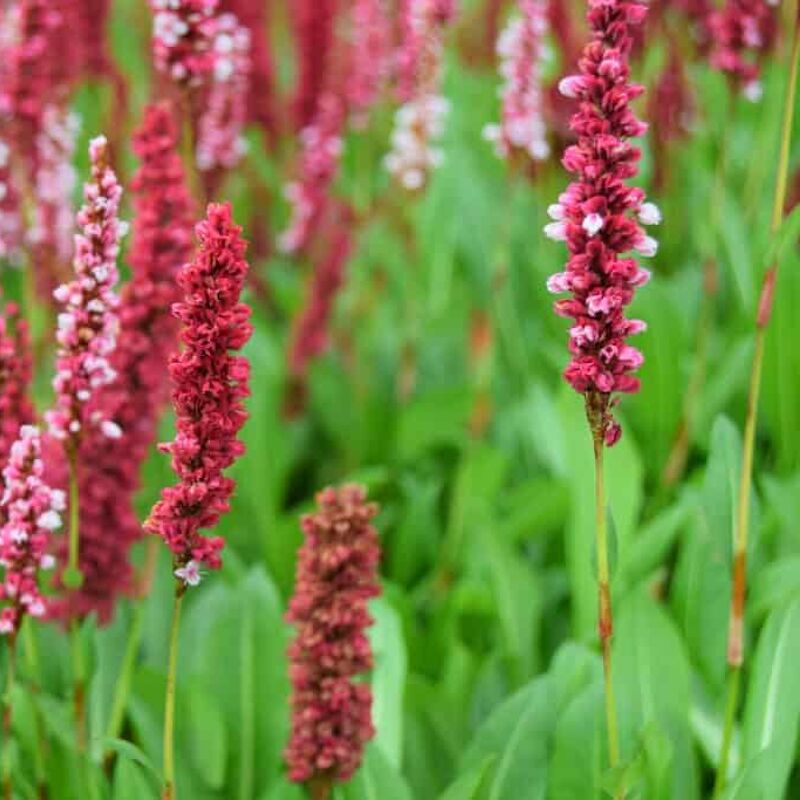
(29,512)
(371,56)
(336,575)
(16,371)
(520,48)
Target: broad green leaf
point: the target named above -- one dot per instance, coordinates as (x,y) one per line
(772,710)
(375,780)
(130,782)
(469,785)
(388,680)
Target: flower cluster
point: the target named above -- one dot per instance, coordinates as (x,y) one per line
(12,231)
(254,16)
(209,387)
(310,336)
(109,469)
(740,32)
(51,231)
(319,162)
(371,59)
(336,576)
(594,214)
(220,144)
(183,37)
(16,371)
(314,30)
(87,327)
(521,51)
(31,69)
(419,122)
(30,511)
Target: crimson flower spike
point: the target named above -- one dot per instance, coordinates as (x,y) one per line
(336,576)
(209,386)
(595,216)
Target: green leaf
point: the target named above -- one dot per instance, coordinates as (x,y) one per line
(772,710)
(206,735)
(388,680)
(130,782)
(470,784)
(774,585)
(377,779)
(651,683)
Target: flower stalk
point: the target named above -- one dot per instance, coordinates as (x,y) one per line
(735,653)
(169,704)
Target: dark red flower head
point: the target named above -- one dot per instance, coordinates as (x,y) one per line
(209,386)
(336,576)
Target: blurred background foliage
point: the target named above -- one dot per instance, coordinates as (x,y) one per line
(488,682)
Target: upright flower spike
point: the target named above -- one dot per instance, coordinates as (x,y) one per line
(309,193)
(521,52)
(595,218)
(419,122)
(16,368)
(336,576)
(87,327)
(110,472)
(30,511)
(595,215)
(210,384)
(371,35)
(255,16)
(183,37)
(220,144)
(741,32)
(311,328)
(314,31)
(51,233)
(12,231)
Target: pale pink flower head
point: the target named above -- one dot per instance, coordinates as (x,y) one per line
(87,324)
(599,216)
(371,56)
(183,39)
(419,122)
(29,511)
(521,51)
(308,194)
(741,33)
(220,141)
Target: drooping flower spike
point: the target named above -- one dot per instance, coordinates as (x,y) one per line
(521,51)
(371,61)
(336,576)
(599,215)
(29,512)
(209,386)
(88,324)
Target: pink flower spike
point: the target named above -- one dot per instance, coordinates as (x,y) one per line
(596,216)
(220,143)
(336,577)
(521,51)
(183,34)
(209,386)
(87,327)
(29,511)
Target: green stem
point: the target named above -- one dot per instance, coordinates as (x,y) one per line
(731,704)
(169,792)
(123,685)
(32,663)
(78,682)
(597,416)
(72,574)
(742,519)
(7,718)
